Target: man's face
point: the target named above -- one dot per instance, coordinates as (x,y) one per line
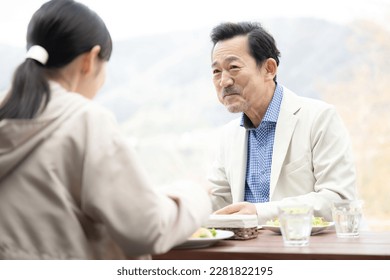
(237,78)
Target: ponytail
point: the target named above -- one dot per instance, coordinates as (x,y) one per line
(58,32)
(29,92)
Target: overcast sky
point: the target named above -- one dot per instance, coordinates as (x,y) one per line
(129,18)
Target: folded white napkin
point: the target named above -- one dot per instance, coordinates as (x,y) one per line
(232,221)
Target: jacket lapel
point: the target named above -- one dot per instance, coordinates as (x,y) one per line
(238,164)
(285,127)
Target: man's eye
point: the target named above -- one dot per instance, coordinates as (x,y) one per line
(234,67)
(216,71)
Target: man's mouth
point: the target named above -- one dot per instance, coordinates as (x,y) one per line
(229,91)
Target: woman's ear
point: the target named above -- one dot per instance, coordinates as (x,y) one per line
(89,60)
(271,67)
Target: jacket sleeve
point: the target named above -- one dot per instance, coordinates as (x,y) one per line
(220,191)
(221,194)
(116,193)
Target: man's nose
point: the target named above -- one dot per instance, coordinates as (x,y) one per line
(226,80)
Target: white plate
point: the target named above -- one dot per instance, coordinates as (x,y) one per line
(314,229)
(193,243)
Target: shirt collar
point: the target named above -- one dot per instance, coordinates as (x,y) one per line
(272,113)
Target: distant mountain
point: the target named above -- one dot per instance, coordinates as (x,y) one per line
(175,67)
(160,87)
(170,74)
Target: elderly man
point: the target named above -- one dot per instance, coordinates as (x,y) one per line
(284,148)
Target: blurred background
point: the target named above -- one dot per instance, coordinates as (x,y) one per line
(159,82)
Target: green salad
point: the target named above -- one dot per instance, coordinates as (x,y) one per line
(316,222)
(319,221)
(204,233)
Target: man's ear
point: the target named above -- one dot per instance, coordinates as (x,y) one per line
(89,59)
(271,67)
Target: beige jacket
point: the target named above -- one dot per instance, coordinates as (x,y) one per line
(71,188)
(312,160)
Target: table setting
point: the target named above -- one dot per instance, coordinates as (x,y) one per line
(241,237)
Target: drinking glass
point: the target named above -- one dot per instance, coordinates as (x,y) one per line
(295,224)
(347,215)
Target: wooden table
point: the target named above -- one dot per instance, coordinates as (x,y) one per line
(268,245)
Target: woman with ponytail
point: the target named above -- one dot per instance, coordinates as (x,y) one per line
(70,186)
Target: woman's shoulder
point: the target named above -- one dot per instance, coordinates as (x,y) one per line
(65,100)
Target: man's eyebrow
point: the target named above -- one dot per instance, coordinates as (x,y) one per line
(228,59)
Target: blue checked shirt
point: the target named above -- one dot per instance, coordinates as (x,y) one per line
(260,149)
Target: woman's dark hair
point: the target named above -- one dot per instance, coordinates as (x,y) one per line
(65,29)
(261,44)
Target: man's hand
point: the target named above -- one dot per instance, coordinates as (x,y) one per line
(245,208)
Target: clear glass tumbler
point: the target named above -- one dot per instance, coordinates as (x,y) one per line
(347,215)
(295,224)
